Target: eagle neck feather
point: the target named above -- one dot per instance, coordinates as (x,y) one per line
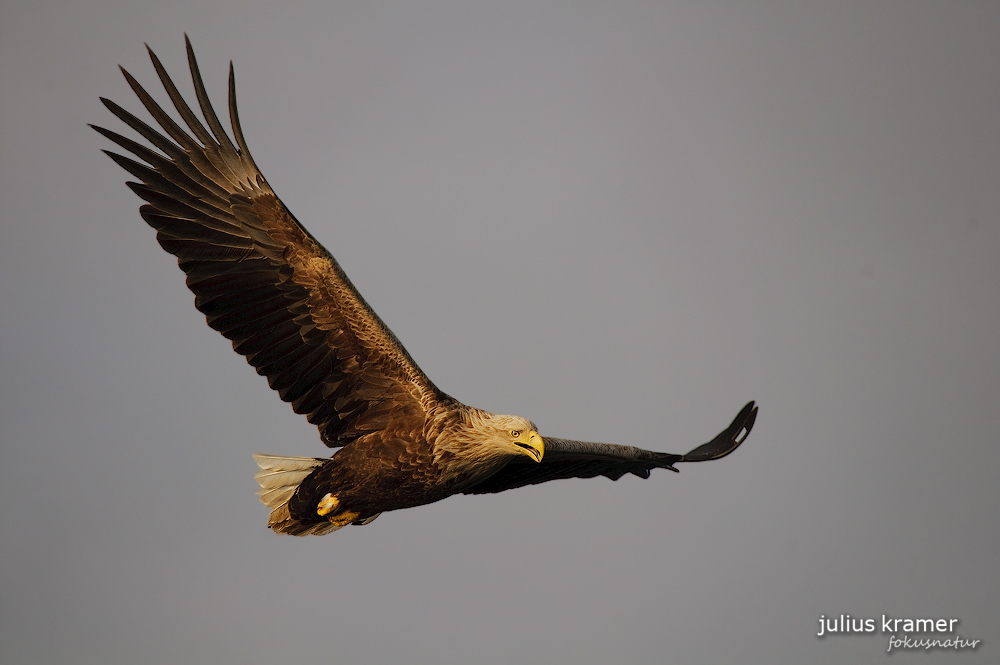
(466,446)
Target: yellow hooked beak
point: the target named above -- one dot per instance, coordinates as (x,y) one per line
(531,445)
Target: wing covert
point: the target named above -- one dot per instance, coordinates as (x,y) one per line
(259,277)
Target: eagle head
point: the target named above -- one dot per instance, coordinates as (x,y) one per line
(518,435)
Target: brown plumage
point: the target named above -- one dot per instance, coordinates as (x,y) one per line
(265,283)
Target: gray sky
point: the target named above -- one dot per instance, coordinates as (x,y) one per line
(622,221)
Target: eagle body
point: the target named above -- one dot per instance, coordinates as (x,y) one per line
(265,283)
(411,462)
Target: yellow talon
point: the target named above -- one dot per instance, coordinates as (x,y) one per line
(344,518)
(326,504)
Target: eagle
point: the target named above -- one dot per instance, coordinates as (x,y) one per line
(264,282)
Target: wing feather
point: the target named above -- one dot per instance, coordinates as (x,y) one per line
(580,459)
(258,276)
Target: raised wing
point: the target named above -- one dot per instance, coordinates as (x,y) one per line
(579,459)
(259,277)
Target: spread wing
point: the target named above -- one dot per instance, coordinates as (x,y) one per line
(579,459)
(259,277)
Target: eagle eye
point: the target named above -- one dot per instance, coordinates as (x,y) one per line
(515,433)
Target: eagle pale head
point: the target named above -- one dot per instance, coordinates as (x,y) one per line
(518,435)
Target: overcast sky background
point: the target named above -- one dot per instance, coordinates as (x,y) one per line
(621,220)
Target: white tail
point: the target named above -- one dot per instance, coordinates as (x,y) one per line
(279,477)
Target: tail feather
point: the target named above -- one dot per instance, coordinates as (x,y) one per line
(279,477)
(282,522)
(276,497)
